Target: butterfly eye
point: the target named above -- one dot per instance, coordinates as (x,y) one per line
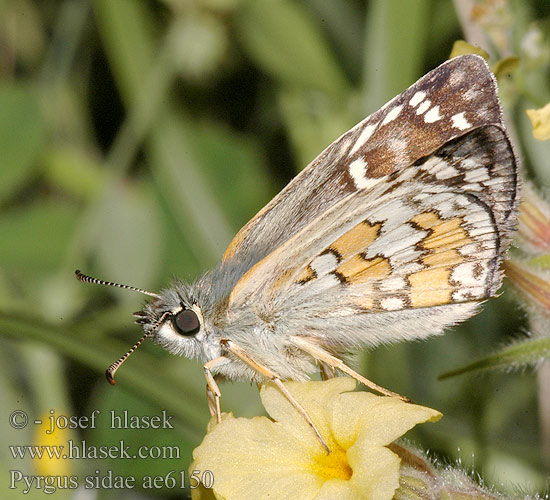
(186,322)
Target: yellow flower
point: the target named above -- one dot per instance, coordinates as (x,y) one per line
(280,459)
(540,120)
(46,465)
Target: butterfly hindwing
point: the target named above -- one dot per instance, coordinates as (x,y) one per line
(429,236)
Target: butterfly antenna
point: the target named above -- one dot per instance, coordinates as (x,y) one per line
(88,279)
(110,372)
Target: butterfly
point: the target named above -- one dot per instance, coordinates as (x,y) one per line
(394,232)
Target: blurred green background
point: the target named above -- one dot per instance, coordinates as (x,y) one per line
(137,137)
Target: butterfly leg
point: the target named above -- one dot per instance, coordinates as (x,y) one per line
(327,371)
(324,357)
(213,393)
(211,399)
(266,372)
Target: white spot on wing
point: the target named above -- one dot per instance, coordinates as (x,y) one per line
(394,213)
(322,264)
(392,115)
(423,107)
(363,138)
(432,115)
(439,167)
(470,249)
(479,174)
(456,77)
(431,163)
(447,172)
(417,98)
(327,281)
(406,174)
(461,200)
(392,304)
(469,163)
(390,244)
(442,203)
(470,95)
(399,145)
(410,267)
(464,274)
(460,122)
(358,172)
(393,284)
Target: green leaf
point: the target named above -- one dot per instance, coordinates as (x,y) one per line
(126,28)
(343,21)
(396,40)
(461,47)
(516,356)
(312,121)
(506,66)
(225,155)
(125,235)
(35,237)
(73,171)
(21,135)
(284,40)
(189,197)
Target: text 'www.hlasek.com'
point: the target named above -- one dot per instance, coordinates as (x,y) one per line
(42,463)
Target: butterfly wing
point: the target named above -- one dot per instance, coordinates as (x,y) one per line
(456,97)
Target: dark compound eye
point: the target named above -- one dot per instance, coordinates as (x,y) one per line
(186,322)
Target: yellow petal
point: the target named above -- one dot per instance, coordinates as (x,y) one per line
(315,396)
(380,420)
(340,489)
(376,471)
(202,493)
(540,120)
